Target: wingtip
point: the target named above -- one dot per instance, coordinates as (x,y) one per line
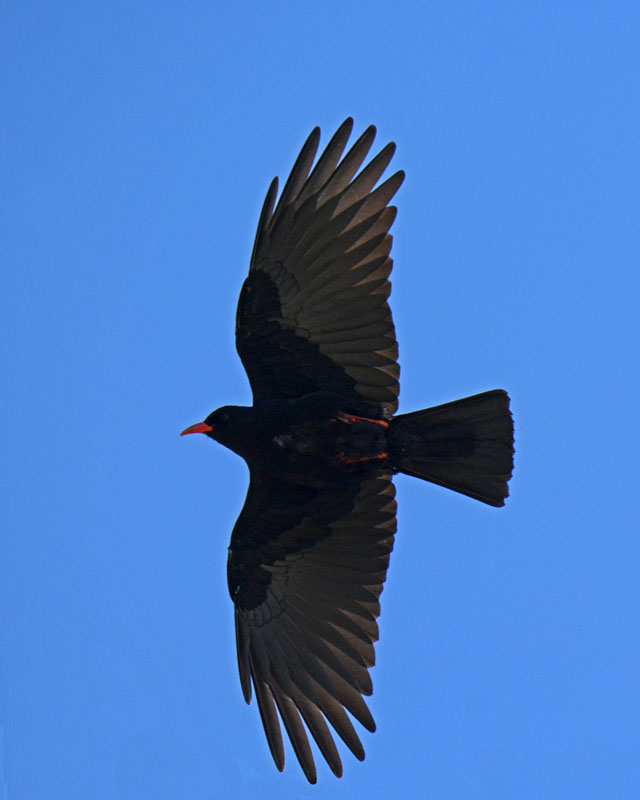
(314,137)
(370,130)
(310,772)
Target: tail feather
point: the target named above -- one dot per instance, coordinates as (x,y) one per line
(466,445)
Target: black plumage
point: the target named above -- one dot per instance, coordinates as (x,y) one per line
(310,549)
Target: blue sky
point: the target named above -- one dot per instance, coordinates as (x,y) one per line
(138,141)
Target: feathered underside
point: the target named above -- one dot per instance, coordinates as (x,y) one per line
(306,569)
(307,564)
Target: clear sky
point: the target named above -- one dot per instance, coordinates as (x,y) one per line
(138,140)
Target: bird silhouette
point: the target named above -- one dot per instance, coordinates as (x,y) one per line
(310,550)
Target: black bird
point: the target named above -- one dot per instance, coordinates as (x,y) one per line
(310,549)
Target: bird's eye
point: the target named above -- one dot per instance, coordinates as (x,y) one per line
(224,418)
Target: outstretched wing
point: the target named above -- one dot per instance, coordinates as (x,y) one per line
(313,313)
(306,569)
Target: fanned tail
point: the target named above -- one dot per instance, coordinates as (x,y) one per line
(466,445)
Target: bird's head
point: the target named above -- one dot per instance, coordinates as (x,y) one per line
(229,425)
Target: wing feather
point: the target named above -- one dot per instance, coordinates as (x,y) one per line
(319,278)
(306,569)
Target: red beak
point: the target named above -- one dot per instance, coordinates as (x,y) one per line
(200,427)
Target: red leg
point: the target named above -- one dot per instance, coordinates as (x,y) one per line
(349,418)
(345,460)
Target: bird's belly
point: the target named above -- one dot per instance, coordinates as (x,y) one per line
(320,453)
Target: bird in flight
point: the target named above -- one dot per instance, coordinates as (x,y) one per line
(310,550)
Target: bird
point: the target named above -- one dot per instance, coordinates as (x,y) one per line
(310,549)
